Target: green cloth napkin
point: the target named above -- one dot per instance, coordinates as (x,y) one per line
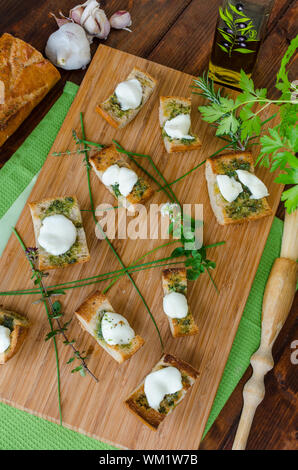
(20,430)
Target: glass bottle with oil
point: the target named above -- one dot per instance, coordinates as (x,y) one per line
(239,31)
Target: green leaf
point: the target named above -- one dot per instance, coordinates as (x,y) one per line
(77,369)
(250,126)
(289,177)
(282,81)
(223,48)
(70,360)
(246,83)
(56,306)
(234,9)
(291,198)
(244,51)
(179,251)
(228,124)
(212,112)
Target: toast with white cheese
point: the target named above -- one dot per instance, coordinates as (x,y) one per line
(90,314)
(171,107)
(175,280)
(109,156)
(111,110)
(18,326)
(137,401)
(69,207)
(243,208)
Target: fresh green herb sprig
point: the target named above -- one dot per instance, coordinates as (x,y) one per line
(31,256)
(53,309)
(238,121)
(279,148)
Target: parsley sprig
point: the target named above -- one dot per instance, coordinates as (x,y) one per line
(239,122)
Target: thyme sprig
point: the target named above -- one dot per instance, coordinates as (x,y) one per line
(55,308)
(37,276)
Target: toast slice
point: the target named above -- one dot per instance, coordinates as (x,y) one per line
(18,325)
(90,314)
(243,209)
(111,110)
(108,156)
(169,108)
(175,280)
(69,207)
(137,401)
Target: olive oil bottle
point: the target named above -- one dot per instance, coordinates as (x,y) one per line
(237,39)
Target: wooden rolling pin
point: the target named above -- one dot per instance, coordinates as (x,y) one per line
(278,298)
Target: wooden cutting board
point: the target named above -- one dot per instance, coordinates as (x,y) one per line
(28,381)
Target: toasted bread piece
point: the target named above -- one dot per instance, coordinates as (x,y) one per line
(26,77)
(108,156)
(243,209)
(137,401)
(90,313)
(18,326)
(170,107)
(69,207)
(111,110)
(175,280)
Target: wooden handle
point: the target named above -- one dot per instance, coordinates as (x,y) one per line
(278,298)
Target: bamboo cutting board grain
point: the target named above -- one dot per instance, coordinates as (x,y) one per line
(28,381)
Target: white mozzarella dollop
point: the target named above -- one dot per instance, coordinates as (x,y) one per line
(229,187)
(124,177)
(257,188)
(116,329)
(57,234)
(178,127)
(111,175)
(127,180)
(175,305)
(160,383)
(129,94)
(4,338)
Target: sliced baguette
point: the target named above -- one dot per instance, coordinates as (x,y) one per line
(137,401)
(239,211)
(175,280)
(69,207)
(110,109)
(170,107)
(108,156)
(18,325)
(89,315)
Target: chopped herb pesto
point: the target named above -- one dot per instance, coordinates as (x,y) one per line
(7,322)
(70,257)
(115,188)
(139,188)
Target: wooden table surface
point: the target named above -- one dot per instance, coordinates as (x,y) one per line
(179,34)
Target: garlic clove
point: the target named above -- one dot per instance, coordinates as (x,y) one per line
(76,14)
(121,20)
(60,21)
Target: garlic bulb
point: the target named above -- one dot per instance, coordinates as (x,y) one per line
(121,20)
(92,18)
(68,47)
